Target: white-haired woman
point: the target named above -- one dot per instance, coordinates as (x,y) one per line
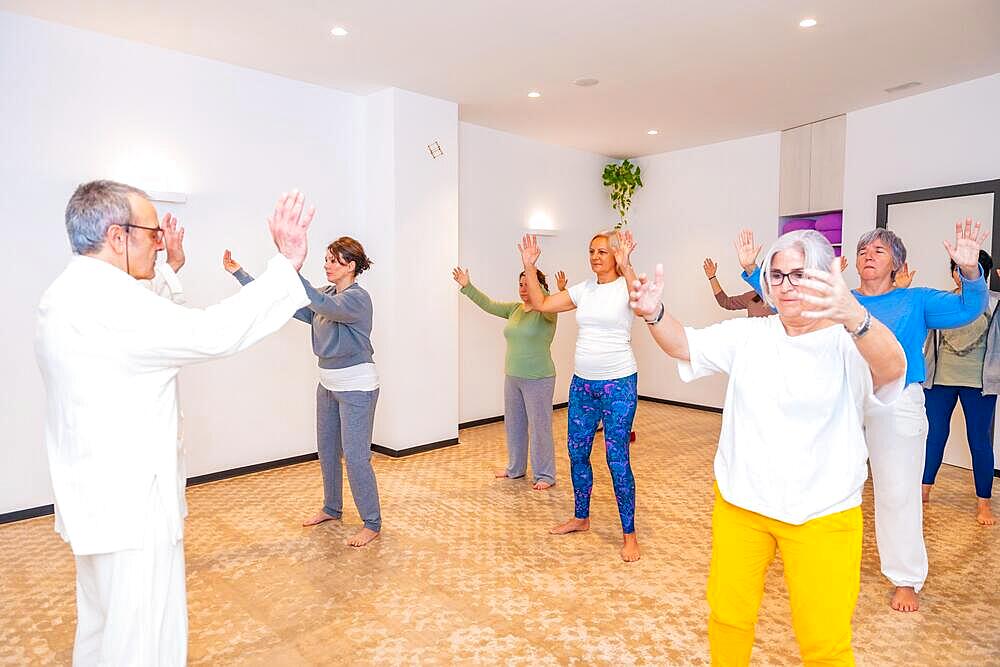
(790,465)
(897,435)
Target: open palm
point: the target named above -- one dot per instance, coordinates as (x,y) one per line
(647,295)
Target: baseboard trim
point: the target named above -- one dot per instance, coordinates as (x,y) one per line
(31,513)
(681,404)
(419,449)
(498,418)
(247,470)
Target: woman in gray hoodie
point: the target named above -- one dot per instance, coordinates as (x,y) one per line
(341,318)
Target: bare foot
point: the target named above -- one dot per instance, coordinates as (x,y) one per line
(499,473)
(984,513)
(541,485)
(926,491)
(630,548)
(572,526)
(905,599)
(319,518)
(361,538)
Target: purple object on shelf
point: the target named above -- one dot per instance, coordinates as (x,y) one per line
(797,224)
(830,221)
(832,235)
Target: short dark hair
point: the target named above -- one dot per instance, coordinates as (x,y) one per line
(985,261)
(541,278)
(348,250)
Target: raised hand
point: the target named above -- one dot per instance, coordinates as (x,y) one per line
(289,226)
(647,295)
(965,253)
(843,263)
(561,280)
(710,267)
(460,276)
(623,249)
(228,263)
(832,299)
(904,277)
(746,250)
(173,241)
(530,251)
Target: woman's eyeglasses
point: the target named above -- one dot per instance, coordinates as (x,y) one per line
(776,277)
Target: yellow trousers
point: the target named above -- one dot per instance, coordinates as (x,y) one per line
(822,571)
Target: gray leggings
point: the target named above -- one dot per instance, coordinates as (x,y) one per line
(528,412)
(344,421)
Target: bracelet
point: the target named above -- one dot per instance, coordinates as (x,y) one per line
(656,320)
(864,327)
(712,277)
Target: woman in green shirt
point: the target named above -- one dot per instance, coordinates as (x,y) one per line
(530,379)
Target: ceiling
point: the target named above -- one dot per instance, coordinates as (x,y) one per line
(697,71)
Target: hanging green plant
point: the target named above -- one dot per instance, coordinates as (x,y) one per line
(622,179)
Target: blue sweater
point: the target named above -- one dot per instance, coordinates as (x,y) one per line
(911,312)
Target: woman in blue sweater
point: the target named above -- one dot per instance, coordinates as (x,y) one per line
(897,435)
(341,318)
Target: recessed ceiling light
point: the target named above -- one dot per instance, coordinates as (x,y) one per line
(585,82)
(339,31)
(807,23)
(533,94)
(652,132)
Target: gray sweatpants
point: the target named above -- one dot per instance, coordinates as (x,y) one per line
(528,412)
(344,422)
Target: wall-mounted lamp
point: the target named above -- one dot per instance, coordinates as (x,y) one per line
(169,197)
(540,224)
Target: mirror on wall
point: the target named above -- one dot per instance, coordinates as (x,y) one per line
(923,219)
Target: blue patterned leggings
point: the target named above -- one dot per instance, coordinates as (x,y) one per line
(613,402)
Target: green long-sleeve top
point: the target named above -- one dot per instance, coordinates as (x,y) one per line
(529,335)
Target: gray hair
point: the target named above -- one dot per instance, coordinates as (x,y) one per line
(889,240)
(93,208)
(816,251)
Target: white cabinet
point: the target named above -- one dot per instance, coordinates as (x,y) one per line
(811,179)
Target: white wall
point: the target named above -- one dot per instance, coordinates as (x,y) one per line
(411,205)
(943,137)
(693,203)
(78,106)
(505,180)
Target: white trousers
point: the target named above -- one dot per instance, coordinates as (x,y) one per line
(131,606)
(897,445)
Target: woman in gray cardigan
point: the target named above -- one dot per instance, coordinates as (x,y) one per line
(341,319)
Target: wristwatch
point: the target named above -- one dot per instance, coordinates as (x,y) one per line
(656,320)
(864,327)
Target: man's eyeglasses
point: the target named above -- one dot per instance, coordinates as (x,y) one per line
(158,230)
(776,277)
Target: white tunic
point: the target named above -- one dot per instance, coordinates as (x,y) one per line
(109,350)
(792,444)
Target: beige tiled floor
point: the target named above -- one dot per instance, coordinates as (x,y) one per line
(465,573)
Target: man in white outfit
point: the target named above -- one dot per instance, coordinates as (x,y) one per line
(109,350)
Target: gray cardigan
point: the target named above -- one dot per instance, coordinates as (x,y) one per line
(341,323)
